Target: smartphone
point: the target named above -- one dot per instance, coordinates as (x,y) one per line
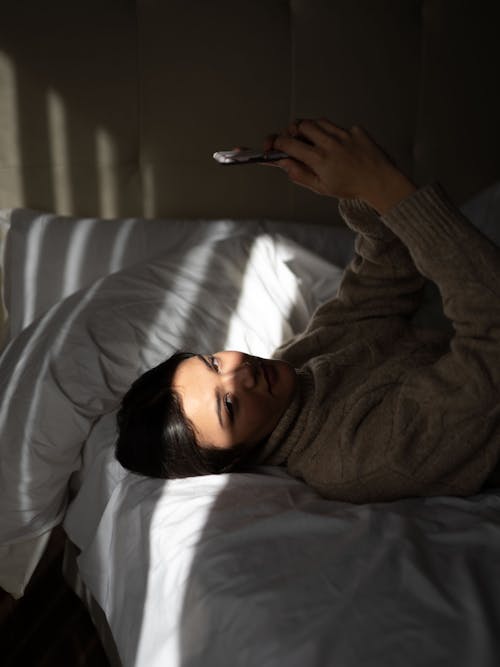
(247,155)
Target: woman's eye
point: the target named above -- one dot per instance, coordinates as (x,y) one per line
(214,363)
(228,403)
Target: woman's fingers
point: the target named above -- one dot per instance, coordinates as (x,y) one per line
(293,128)
(270,139)
(332,129)
(297,149)
(298,140)
(299,174)
(269,145)
(269,142)
(312,132)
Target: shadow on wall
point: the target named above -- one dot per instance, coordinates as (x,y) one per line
(58,149)
(89,90)
(79,110)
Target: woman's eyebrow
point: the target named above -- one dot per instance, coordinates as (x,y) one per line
(202,358)
(218,399)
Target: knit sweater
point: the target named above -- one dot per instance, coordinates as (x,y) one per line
(384,410)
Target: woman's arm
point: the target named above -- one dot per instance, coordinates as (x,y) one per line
(381,281)
(465,265)
(443,419)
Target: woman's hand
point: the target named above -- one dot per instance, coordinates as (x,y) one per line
(332,161)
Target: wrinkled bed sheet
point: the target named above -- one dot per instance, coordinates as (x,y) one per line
(256,569)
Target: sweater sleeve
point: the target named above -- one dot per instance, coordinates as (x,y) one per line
(379,292)
(381,280)
(449,250)
(434,427)
(444,436)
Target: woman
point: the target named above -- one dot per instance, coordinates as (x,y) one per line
(361,406)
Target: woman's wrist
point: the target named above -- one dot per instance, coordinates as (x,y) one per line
(390,189)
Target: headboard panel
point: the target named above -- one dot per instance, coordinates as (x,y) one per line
(114,107)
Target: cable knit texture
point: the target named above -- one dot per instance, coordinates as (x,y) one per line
(385,410)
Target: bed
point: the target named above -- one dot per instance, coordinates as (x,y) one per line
(254,565)
(111,262)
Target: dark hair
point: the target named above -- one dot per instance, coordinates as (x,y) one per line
(155,437)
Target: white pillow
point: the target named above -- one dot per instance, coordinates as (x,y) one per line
(49,257)
(73,365)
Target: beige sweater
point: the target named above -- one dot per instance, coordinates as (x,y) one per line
(384,410)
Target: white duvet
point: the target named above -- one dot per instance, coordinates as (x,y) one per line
(255,569)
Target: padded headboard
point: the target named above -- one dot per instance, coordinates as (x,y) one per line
(114,107)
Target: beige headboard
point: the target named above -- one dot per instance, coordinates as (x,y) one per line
(114,107)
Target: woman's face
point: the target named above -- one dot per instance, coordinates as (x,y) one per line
(233,398)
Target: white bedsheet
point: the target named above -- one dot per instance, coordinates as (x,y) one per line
(255,569)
